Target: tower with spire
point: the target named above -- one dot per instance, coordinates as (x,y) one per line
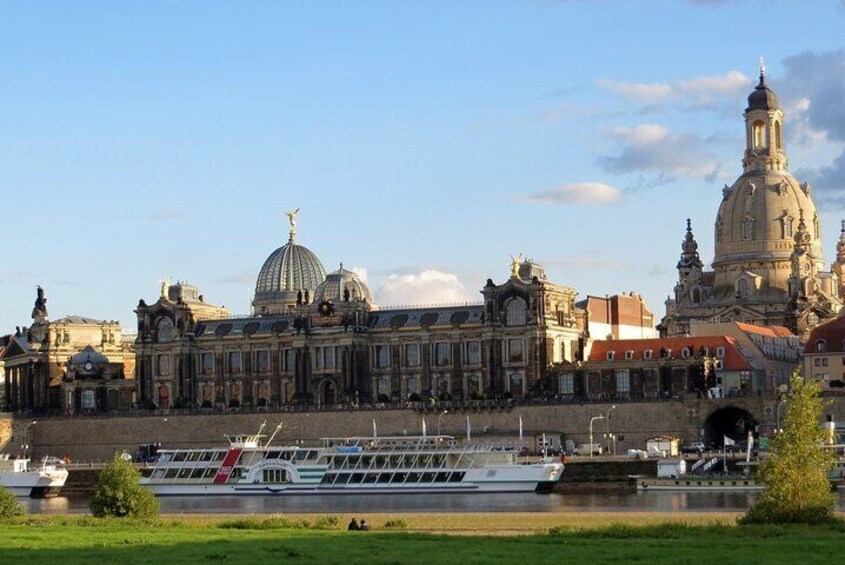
(768,267)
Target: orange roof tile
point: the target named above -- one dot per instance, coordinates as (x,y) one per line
(733,360)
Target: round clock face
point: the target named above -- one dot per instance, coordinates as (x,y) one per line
(326,308)
(88,365)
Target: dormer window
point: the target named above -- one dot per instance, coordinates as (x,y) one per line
(720,352)
(629,355)
(685,352)
(821,346)
(610,355)
(647,354)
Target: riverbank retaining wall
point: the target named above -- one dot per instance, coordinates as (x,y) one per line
(98,438)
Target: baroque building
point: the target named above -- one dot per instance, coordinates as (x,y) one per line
(319,339)
(768,267)
(73,364)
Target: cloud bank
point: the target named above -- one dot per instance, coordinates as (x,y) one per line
(582,193)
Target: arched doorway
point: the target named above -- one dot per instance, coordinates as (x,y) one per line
(328,393)
(730,421)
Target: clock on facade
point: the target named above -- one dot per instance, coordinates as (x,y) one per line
(88,365)
(326,308)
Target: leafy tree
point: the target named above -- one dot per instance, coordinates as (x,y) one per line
(796,471)
(9,505)
(120,494)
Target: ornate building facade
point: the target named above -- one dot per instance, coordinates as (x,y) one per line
(45,371)
(768,267)
(319,339)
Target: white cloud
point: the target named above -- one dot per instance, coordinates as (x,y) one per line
(584,193)
(361,272)
(698,92)
(653,148)
(428,286)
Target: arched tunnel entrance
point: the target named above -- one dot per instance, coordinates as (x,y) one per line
(730,421)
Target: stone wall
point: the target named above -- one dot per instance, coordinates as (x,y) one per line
(97,438)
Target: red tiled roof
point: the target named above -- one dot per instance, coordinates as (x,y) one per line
(732,361)
(832,332)
(769,331)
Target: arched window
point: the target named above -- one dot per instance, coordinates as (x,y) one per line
(516,312)
(817,227)
(748,228)
(742,287)
(696,295)
(821,346)
(164,329)
(788,227)
(778,136)
(759,131)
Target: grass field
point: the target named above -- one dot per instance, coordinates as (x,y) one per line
(416,538)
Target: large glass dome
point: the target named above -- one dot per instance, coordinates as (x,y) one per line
(289,270)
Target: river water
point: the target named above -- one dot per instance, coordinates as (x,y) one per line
(627,502)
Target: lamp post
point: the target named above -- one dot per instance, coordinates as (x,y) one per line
(777,415)
(607,426)
(593,419)
(438,420)
(158,432)
(26,438)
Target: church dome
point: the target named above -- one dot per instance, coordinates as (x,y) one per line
(289,269)
(290,274)
(762,98)
(334,288)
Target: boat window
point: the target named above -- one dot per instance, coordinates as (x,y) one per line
(165,458)
(179,456)
(366,461)
(380,461)
(370,477)
(276,476)
(192,456)
(413,478)
(197,473)
(272,455)
(411,461)
(399,478)
(325,460)
(428,477)
(158,474)
(384,477)
(356,478)
(209,473)
(286,455)
(184,473)
(299,456)
(442,477)
(218,456)
(342,479)
(206,456)
(456,477)
(171,473)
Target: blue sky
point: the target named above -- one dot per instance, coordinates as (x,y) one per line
(424,142)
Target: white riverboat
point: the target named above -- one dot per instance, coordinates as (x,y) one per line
(22,479)
(354,465)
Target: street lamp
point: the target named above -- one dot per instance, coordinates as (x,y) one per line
(593,419)
(777,415)
(438,420)
(607,425)
(158,432)
(26,436)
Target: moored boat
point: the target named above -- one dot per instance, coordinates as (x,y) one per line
(22,479)
(353,465)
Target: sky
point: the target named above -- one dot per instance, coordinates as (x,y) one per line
(423,142)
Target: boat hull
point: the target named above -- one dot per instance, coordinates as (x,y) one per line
(698,484)
(33,483)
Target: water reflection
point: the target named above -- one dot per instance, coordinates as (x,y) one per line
(628,502)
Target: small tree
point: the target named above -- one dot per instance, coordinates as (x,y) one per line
(9,504)
(120,494)
(796,471)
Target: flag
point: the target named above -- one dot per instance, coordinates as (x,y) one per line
(728,441)
(469,429)
(520,431)
(423,426)
(375,429)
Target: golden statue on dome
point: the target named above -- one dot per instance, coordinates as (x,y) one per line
(291,214)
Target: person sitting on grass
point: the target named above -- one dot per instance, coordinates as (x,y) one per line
(365,527)
(353,526)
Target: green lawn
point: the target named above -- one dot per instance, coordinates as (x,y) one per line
(253,541)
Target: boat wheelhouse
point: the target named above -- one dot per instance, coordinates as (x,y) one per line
(406,464)
(37,481)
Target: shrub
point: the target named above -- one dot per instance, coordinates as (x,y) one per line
(119,493)
(10,507)
(795,473)
(396,523)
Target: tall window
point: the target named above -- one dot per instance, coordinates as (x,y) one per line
(164,329)
(623,381)
(412,354)
(567,383)
(516,313)
(442,353)
(262,361)
(788,227)
(412,385)
(207,362)
(759,130)
(778,136)
(473,352)
(235,362)
(382,356)
(748,228)
(290,360)
(742,287)
(515,350)
(329,358)
(163,365)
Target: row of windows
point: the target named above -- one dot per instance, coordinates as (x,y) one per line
(442,353)
(664,353)
(821,345)
(823,361)
(392,478)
